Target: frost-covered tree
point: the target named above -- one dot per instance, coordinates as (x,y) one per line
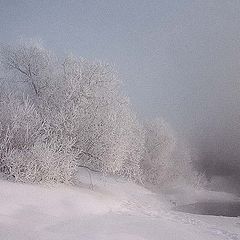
(159,147)
(64,113)
(166,158)
(73,113)
(95,113)
(28,62)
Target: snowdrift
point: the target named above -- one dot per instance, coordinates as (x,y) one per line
(113,209)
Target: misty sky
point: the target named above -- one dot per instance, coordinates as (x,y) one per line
(179,59)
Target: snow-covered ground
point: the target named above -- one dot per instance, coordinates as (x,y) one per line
(114,209)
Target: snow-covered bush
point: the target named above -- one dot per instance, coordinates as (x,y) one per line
(40,164)
(26,153)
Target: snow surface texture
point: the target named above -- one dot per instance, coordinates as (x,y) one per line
(114,209)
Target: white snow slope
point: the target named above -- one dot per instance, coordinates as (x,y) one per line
(114,209)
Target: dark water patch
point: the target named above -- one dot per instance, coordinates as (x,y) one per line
(227,209)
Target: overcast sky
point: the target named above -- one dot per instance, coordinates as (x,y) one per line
(179,59)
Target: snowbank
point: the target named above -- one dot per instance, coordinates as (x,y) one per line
(114,209)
